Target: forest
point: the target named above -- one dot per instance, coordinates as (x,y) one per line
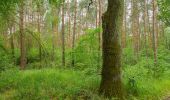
(84,49)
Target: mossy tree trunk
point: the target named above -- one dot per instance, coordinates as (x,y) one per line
(111,84)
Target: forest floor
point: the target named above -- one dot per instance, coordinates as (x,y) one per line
(167,97)
(54,84)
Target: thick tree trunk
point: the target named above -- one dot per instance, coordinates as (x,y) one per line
(23,59)
(111,84)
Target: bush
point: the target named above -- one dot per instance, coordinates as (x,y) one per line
(6,61)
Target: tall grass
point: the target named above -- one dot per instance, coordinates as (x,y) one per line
(48,84)
(64,84)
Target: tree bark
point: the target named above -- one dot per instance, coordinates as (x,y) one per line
(123,35)
(74,31)
(145,28)
(99,34)
(135,27)
(23,59)
(154,31)
(12,44)
(63,36)
(39,32)
(111,84)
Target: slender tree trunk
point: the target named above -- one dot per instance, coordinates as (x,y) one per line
(12,44)
(74,31)
(149,28)
(123,35)
(99,34)
(39,32)
(63,36)
(154,31)
(111,84)
(145,27)
(54,32)
(69,25)
(23,59)
(138,32)
(135,28)
(96,5)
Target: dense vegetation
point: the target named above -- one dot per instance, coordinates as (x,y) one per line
(63,50)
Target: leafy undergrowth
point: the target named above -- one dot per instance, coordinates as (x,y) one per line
(62,84)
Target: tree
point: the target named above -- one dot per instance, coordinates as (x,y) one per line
(111,84)
(23,59)
(154,31)
(12,44)
(123,35)
(135,27)
(63,37)
(99,34)
(39,28)
(145,26)
(74,31)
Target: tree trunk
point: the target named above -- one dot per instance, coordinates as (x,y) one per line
(39,32)
(63,36)
(23,59)
(74,31)
(123,35)
(154,31)
(149,28)
(135,27)
(69,25)
(54,32)
(145,27)
(111,84)
(96,5)
(12,44)
(99,34)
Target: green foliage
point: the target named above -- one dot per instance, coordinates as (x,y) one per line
(167,37)
(86,51)
(56,3)
(5,58)
(164,7)
(128,57)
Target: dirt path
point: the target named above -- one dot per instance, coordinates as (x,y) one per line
(168,98)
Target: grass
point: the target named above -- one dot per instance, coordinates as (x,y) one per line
(47,84)
(63,84)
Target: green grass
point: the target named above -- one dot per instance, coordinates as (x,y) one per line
(47,84)
(64,84)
